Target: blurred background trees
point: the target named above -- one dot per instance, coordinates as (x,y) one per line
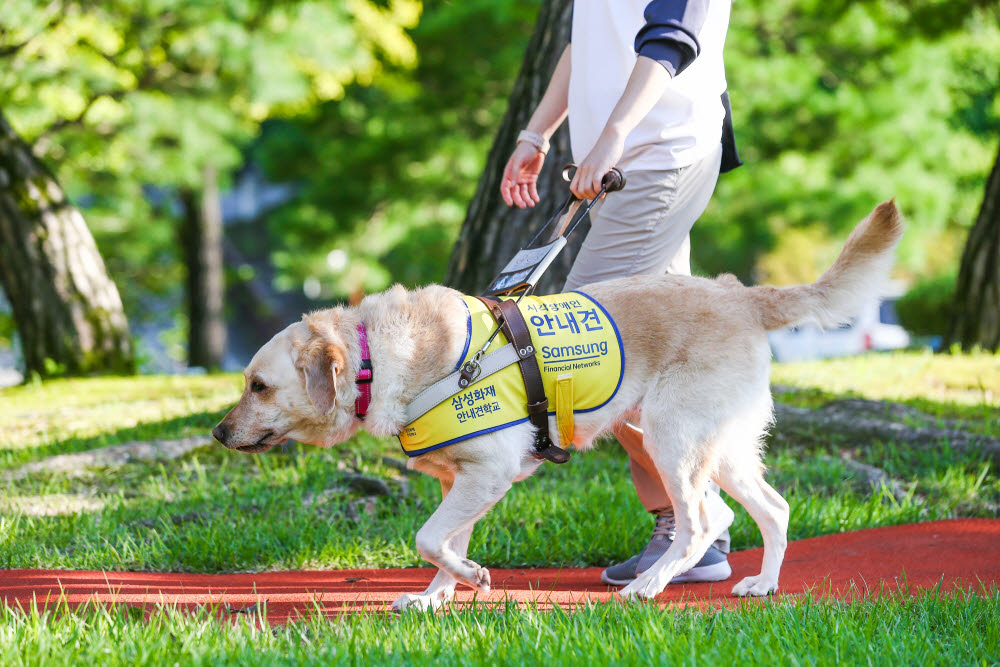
(145,108)
(346,141)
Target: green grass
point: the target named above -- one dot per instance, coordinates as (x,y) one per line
(219,511)
(926,629)
(66,416)
(944,385)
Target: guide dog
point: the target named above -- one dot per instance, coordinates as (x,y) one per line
(695,380)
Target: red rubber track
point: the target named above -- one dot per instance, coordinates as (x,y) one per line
(957,554)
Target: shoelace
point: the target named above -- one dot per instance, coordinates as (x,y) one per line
(665,524)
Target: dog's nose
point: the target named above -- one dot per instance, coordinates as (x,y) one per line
(221,433)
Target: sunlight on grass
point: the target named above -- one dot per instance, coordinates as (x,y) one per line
(62,411)
(212,510)
(965,379)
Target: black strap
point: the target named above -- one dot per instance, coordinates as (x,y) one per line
(730,158)
(508,316)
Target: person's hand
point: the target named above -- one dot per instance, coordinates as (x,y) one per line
(605,154)
(518,187)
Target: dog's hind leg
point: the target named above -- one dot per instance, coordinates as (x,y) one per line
(677,447)
(692,538)
(744,481)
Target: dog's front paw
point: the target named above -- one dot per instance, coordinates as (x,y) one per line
(756,586)
(418,602)
(643,588)
(478,577)
(482,580)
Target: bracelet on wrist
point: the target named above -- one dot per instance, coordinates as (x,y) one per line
(536,139)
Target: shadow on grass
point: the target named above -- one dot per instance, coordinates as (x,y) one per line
(981,418)
(167,429)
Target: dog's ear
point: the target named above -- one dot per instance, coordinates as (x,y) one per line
(319,362)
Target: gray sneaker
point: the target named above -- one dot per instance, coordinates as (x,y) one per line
(713,566)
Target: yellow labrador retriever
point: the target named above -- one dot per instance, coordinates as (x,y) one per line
(696,381)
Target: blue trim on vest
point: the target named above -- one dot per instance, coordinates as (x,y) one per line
(468,334)
(460,438)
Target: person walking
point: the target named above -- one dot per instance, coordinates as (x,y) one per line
(643,85)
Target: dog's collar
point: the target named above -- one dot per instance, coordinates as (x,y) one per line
(364,379)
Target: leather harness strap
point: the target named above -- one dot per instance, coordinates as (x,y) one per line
(510,320)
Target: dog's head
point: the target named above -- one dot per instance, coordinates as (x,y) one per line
(297,386)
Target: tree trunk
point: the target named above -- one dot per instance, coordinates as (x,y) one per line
(201,239)
(977,295)
(68,312)
(493,232)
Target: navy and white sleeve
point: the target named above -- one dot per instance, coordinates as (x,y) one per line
(670,35)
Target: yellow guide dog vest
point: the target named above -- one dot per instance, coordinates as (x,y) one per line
(579,352)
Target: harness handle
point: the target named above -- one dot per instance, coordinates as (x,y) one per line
(613,181)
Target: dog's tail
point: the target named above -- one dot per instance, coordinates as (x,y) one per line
(841,292)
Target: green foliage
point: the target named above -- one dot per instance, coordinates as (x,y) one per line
(388,170)
(837,106)
(7,330)
(384,125)
(840,105)
(53,368)
(127,94)
(927,308)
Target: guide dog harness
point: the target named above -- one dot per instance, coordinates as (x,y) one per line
(555,355)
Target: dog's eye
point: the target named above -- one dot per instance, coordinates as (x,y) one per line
(257,386)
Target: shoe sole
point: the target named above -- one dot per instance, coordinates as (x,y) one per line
(706,573)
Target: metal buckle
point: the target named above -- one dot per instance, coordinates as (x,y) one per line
(548,450)
(470,370)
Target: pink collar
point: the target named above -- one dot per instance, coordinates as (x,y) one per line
(364,379)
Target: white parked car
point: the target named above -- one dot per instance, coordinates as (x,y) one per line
(875,329)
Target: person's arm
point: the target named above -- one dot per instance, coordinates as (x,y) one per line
(666,44)
(645,86)
(551,111)
(519,183)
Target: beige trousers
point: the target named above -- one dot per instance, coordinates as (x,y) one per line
(644,229)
